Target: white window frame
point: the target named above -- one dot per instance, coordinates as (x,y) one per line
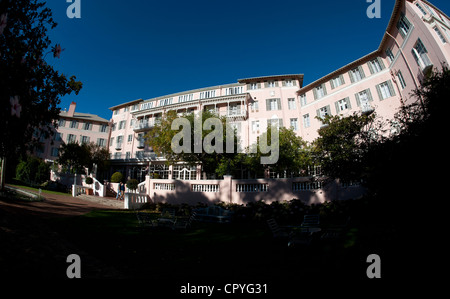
(306,121)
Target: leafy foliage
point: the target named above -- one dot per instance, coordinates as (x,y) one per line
(117,177)
(30,88)
(132,184)
(161,136)
(32,171)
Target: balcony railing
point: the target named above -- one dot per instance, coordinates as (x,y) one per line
(366,108)
(143,125)
(141,155)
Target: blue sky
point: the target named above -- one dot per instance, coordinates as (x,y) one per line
(126,50)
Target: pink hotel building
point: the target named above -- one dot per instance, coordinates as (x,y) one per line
(416,40)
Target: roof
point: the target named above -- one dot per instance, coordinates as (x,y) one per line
(273,77)
(125,104)
(84,116)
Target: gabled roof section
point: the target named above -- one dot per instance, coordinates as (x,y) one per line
(125,104)
(84,117)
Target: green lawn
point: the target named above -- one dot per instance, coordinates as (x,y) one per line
(36,190)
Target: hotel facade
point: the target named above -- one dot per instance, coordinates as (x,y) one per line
(416,41)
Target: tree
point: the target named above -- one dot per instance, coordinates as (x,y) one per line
(117,177)
(75,157)
(294,155)
(32,171)
(99,156)
(30,88)
(343,143)
(195,139)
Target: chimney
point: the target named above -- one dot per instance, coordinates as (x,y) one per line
(72,107)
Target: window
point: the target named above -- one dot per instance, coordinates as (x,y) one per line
(439,33)
(103,128)
(421,9)
(324,111)
(147,105)
(101,142)
(289,83)
(85,139)
(254,106)
(253,86)
(273,104)
(55,151)
(385,90)
(337,81)
(401,79)
(390,55)
(126,109)
(185,98)
(74,124)
(420,55)
(117,156)
(113,127)
(134,107)
(319,91)
(87,126)
(62,123)
(58,136)
(375,65)
(119,142)
(71,138)
(116,112)
(207,94)
(184,172)
(271,84)
(343,105)
(128,155)
(403,25)
(122,124)
(306,121)
(356,74)
(130,138)
(291,104)
(234,90)
(303,99)
(165,102)
(294,123)
(363,100)
(255,126)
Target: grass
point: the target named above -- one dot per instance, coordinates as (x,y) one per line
(36,190)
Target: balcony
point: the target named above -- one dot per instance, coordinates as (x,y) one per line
(140,155)
(143,125)
(236,114)
(141,144)
(366,108)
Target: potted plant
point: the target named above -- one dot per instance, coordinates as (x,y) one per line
(132,184)
(88,180)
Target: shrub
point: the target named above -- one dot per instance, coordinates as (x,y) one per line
(132,184)
(88,180)
(116,177)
